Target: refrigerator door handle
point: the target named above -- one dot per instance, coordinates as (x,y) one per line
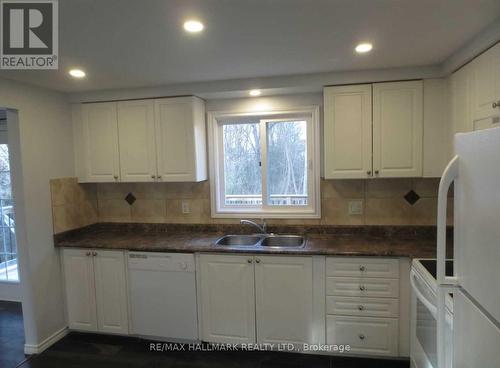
(449,175)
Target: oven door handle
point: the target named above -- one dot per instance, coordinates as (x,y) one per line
(431,307)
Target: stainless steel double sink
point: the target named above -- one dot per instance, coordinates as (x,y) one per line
(262,240)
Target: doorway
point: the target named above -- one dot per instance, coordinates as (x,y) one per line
(12,336)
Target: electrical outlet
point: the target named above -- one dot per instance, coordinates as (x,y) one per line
(185,207)
(356,207)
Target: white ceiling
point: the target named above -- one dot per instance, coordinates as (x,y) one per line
(134,43)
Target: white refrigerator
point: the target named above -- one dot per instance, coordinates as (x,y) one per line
(475,285)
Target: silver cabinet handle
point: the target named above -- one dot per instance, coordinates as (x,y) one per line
(158,177)
(368,172)
(116,177)
(361,336)
(360,307)
(94,254)
(88,254)
(257,261)
(362,287)
(153,176)
(496,104)
(376,172)
(362,268)
(249,260)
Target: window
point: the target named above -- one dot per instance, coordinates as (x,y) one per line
(8,246)
(265,164)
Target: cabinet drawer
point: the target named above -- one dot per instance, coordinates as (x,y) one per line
(372,307)
(365,335)
(362,267)
(356,286)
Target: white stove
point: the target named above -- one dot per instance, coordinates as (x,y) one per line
(424,314)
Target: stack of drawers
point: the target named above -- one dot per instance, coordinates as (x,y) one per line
(362,304)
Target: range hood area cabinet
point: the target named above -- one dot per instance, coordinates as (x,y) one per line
(373,130)
(151,140)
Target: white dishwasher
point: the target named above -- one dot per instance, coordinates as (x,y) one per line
(163,295)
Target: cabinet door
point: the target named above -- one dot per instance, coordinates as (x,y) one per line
(485,74)
(460,101)
(80,290)
(110,286)
(348,131)
(397,129)
(136,131)
(227,298)
(284,299)
(100,135)
(175,139)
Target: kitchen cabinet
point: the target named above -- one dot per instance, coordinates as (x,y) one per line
(99,133)
(485,86)
(136,131)
(397,129)
(80,289)
(348,131)
(364,305)
(373,130)
(95,287)
(284,300)
(227,298)
(180,139)
(263,299)
(141,140)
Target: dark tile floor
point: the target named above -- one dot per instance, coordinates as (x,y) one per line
(11,334)
(99,351)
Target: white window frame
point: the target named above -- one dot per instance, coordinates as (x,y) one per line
(215,145)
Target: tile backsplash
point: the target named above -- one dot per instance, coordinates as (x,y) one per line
(385,202)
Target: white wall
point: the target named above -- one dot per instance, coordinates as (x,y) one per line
(45,150)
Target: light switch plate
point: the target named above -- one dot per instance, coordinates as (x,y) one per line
(356,207)
(185,207)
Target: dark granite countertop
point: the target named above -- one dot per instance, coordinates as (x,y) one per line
(396,241)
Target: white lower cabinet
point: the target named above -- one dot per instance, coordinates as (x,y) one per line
(363,307)
(365,335)
(284,299)
(227,298)
(96,293)
(263,299)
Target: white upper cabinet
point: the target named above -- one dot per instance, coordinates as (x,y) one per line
(348,131)
(397,129)
(437,141)
(100,142)
(374,130)
(461,120)
(180,139)
(141,140)
(485,86)
(136,131)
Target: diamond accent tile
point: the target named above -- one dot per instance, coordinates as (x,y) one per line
(411,197)
(130,198)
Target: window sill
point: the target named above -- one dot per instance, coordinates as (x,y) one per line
(266,215)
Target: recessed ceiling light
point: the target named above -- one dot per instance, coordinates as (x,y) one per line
(77,73)
(193,26)
(254,92)
(364,47)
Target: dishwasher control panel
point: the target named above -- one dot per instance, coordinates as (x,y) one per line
(172,262)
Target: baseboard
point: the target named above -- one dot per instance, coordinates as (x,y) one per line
(37,349)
